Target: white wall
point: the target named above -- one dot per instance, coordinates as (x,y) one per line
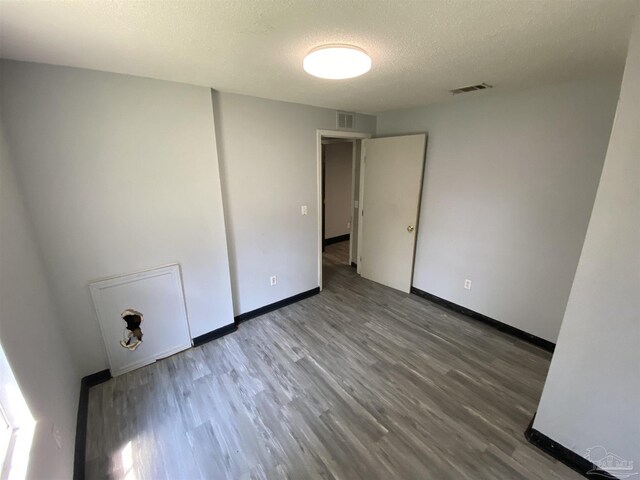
(267,152)
(592,393)
(119,174)
(337,188)
(32,337)
(510,181)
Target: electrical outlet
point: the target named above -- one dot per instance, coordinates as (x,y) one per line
(303,209)
(348,225)
(273,281)
(467,284)
(55,432)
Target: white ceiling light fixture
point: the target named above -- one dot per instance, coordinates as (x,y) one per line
(337,62)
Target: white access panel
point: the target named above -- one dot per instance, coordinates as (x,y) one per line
(157,294)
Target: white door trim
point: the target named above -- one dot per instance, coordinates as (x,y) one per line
(352,196)
(363,154)
(319,135)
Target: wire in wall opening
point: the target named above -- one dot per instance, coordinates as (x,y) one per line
(132,333)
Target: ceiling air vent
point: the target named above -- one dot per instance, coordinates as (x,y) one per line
(471,88)
(346,120)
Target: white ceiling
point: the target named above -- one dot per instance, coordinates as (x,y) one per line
(420,49)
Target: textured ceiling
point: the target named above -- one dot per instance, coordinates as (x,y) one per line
(420,49)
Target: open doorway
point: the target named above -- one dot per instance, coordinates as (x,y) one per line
(338,197)
(339,177)
(386,181)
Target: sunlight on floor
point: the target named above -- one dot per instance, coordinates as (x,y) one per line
(125,459)
(14,457)
(127,462)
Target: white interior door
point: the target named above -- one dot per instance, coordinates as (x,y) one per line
(392,182)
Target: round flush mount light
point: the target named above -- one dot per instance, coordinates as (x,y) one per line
(336,62)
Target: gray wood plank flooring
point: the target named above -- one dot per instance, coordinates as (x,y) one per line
(359,381)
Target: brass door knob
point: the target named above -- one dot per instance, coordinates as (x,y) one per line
(410,228)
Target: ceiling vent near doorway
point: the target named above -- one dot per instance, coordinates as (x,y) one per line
(470,88)
(346,120)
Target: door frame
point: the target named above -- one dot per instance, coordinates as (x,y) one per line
(354,161)
(335,134)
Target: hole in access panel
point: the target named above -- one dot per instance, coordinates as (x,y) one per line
(133,332)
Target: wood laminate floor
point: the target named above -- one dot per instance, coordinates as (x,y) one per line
(359,381)
(335,255)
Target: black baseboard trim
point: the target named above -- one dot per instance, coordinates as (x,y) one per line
(243,317)
(89,381)
(80,452)
(516,332)
(332,240)
(354,264)
(561,453)
(213,334)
